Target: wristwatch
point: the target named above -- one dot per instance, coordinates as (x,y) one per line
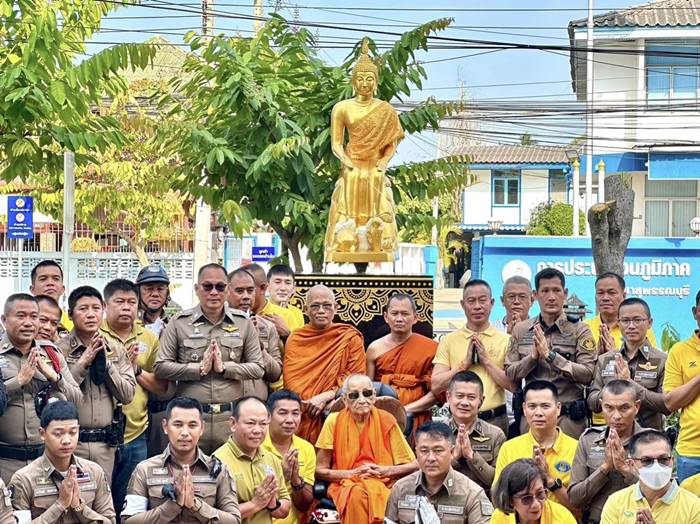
(299,486)
(551,356)
(557,485)
(138,371)
(278,503)
(197,505)
(79,507)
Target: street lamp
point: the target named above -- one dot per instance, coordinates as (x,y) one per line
(572,154)
(495,225)
(695,226)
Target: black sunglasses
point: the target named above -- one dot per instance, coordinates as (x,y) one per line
(527,500)
(367,393)
(207,286)
(648,461)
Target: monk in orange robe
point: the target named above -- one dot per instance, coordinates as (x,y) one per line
(362,452)
(404,359)
(319,357)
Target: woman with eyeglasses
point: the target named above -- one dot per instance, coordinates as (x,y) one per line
(520,497)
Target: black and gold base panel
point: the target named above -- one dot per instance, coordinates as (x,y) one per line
(362,299)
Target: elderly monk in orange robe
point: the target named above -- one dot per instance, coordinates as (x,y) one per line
(361,452)
(319,357)
(404,359)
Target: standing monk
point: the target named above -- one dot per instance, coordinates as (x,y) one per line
(404,359)
(319,357)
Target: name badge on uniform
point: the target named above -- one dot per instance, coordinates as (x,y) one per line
(638,375)
(4,362)
(159,471)
(450,510)
(235,334)
(481,447)
(46,490)
(87,486)
(408,502)
(161,481)
(196,333)
(203,479)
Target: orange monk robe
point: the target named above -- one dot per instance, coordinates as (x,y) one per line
(316,361)
(407,368)
(377,441)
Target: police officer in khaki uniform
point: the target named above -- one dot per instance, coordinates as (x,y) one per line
(555,348)
(454,497)
(59,487)
(104,373)
(637,361)
(477,442)
(155,311)
(600,466)
(32,373)
(210,350)
(241,295)
(182,484)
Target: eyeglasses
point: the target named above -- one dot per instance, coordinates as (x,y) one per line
(318,307)
(629,321)
(367,393)
(208,286)
(648,461)
(528,500)
(521,298)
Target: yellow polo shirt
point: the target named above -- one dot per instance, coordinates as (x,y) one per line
(595,322)
(249,473)
(675,507)
(560,457)
(401,452)
(692,484)
(682,364)
(287,316)
(65,321)
(136,411)
(307,470)
(552,513)
(452,351)
(297,316)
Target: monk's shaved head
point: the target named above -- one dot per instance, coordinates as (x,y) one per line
(357,381)
(258,273)
(319,291)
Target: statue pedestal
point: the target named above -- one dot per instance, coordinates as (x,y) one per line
(358,258)
(362,298)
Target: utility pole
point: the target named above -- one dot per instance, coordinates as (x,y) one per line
(258,13)
(589,113)
(202,220)
(68,213)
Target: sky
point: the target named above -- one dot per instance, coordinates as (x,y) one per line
(502,76)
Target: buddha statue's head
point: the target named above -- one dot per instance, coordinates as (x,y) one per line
(365,75)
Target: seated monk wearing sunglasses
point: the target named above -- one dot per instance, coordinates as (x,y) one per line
(362,452)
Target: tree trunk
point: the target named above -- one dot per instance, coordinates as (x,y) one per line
(292,245)
(137,248)
(611,226)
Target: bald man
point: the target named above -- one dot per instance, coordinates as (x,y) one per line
(282,318)
(319,357)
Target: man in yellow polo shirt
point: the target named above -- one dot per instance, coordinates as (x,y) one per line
(609,294)
(478,347)
(262,490)
(141,346)
(655,498)
(545,443)
(682,391)
(298,457)
(281,282)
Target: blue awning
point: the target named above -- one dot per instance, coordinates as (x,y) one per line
(676,165)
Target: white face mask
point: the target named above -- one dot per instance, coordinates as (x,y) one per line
(655,476)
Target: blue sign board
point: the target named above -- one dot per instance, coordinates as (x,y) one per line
(665,272)
(20,217)
(263,253)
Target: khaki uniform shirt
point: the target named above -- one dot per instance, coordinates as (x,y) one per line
(459,500)
(589,487)
(486,440)
(35,494)
(6,514)
(272,359)
(98,403)
(184,342)
(575,360)
(145,502)
(647,374)
(20,424)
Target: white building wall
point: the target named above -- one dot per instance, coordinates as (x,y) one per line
(478,209)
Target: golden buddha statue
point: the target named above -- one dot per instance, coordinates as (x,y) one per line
(362,223)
